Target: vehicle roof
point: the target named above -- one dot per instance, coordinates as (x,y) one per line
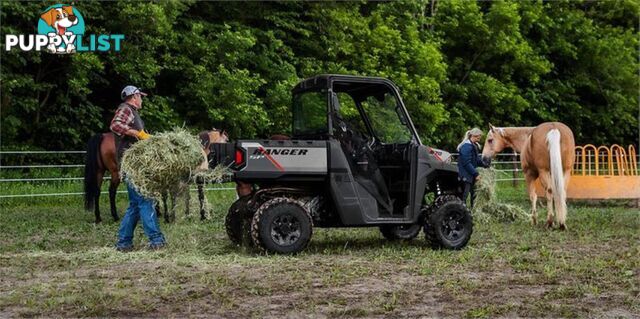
(325,80)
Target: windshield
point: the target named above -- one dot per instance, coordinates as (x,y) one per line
(310,113)
(386,118)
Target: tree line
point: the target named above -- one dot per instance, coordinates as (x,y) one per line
(232,65)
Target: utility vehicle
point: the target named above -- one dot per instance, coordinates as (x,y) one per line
(354,159)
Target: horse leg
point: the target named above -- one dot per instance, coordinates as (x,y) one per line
(187,200)
(113,189)
(158,209)
(164,204)
(99,178)
(201,198)
(173,206)
(545,180)
(533,197)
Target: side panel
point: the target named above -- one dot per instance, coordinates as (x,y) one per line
(443,177)
(430,171)
(283,160)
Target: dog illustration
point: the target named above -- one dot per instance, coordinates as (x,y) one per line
(60,19)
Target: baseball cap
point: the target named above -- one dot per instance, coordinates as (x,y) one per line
(130,90)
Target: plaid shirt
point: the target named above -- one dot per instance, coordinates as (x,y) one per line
(121,122)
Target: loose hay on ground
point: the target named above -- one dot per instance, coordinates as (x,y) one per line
(486,206)
(165,163)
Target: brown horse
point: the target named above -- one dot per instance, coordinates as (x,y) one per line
(101,157)
(547,152)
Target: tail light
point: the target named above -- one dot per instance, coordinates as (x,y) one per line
(239,158)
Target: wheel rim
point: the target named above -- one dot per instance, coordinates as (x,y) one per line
(285,230)
(454,226)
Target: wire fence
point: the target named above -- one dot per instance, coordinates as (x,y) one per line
(23,175)
(509,170)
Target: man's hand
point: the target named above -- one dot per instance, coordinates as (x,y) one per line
(477,178)
(142,135)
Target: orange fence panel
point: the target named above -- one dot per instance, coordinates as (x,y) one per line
(603,173)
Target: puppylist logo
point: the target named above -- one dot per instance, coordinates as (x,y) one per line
(61,30)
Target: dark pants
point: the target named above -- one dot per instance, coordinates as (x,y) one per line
(469,188)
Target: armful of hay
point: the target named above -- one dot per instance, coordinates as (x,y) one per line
(164,163)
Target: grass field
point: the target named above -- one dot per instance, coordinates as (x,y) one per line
(55,262)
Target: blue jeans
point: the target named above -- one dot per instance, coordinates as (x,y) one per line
(139,208)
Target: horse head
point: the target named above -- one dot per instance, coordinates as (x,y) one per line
(218,136)
(494,144)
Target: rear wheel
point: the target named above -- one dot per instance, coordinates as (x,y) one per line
(448,223)
(237,223)
(400,232)
(281,225)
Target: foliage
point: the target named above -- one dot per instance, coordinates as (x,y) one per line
(457,63)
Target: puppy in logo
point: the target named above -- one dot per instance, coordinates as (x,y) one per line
(60,19)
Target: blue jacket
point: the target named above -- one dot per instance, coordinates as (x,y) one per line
(468,160)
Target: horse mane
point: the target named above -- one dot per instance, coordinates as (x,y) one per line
(515,136)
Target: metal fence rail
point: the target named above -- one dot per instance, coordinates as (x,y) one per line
(510,160)
(103,192)
(42,166)
(43,152)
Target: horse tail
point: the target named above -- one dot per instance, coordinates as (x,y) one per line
(557,176)
(91,187)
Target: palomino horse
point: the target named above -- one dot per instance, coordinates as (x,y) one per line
(101,157)
(547,151)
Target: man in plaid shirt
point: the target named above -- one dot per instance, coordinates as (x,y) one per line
(129,128)
(127,124)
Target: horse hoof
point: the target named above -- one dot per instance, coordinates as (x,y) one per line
(98,221)
(549,224)
(534,222)
(563,227)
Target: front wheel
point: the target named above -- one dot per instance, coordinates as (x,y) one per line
(281,225)
(400,232)
(448,223)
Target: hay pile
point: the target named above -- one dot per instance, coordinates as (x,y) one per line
(486,206)
(165,162)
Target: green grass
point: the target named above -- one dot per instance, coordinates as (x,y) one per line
(55,262)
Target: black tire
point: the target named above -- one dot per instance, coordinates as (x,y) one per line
(237,223)
(281,225)
(400,232)
(448,223)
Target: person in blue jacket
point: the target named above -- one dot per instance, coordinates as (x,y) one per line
(468,160)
